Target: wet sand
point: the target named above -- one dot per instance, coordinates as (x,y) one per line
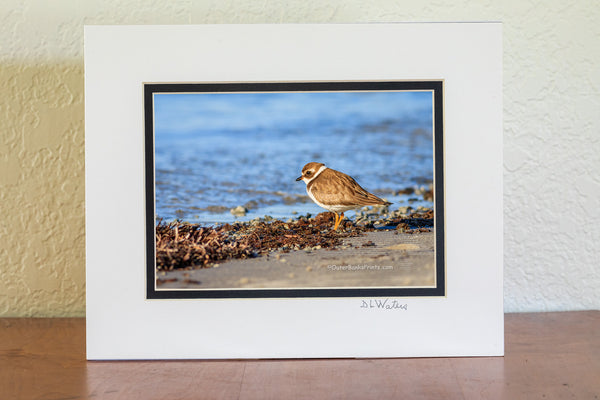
(383,258)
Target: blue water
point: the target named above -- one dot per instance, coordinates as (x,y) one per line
(214,152)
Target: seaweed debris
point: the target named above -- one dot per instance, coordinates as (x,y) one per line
(185,245)
(415,222)
(181,244)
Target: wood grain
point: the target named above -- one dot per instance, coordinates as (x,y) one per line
(548,355)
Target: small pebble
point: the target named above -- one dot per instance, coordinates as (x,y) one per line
(239,211)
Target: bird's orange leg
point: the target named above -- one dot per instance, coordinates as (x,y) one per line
(337,221)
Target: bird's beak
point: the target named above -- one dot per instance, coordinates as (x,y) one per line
(298,178)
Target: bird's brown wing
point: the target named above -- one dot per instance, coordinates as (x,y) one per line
(334,187)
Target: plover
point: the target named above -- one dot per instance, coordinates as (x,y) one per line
(336,191)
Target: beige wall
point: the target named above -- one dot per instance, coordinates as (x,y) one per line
(551,151)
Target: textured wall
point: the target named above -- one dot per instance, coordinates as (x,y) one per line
(551,136)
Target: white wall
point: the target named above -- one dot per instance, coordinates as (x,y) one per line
(551,136)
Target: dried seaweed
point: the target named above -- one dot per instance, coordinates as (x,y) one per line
(184,245)
(180,245)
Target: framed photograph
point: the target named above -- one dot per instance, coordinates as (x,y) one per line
(227,219)
(294,191)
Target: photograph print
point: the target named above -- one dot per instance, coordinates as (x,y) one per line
(294,189)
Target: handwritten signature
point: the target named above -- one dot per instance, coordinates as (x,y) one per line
(384,304)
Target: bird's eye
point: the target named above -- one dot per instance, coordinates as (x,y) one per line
(308,173)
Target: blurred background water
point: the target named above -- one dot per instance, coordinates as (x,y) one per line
(217,151)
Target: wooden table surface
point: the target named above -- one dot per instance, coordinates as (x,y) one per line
(548,356)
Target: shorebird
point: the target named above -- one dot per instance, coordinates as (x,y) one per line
(335,191)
